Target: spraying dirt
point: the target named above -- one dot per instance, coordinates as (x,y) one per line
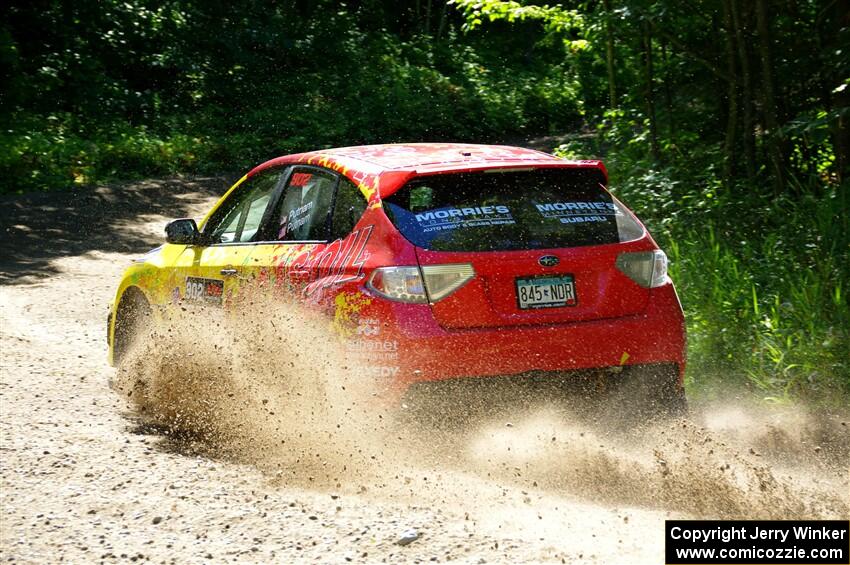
(255,439)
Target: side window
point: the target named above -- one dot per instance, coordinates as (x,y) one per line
(304,210)
(348,208)
(240,216)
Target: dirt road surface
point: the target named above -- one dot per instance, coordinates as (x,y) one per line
(83,479)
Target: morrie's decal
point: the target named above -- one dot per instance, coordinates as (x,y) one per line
(204,290)
(462,212)
(577,212)
(464,217)
(583,219)
(602,207)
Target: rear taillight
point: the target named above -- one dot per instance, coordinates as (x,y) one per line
(442,280)
(647,268)
(403,284)
(419,286)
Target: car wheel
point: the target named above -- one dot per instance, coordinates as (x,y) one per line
(647,393)
(132,320)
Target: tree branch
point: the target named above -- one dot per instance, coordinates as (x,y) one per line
(674,41)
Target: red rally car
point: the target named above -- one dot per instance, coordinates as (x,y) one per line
(439,261)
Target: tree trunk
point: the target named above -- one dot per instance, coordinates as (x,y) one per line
(68,35)
(693,54)
(609,55)
(668,92)
(731,94)
(428,17)
(841,99)
(442,27)
(739,21)
(649,94)
(771,123)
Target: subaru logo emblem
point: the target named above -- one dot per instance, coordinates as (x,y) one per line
(548,261)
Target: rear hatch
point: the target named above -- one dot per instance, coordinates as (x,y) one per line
(543,244)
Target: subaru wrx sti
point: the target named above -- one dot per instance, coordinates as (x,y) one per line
(439,262)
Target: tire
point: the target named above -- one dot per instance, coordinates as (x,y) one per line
(132,321)
(647,393)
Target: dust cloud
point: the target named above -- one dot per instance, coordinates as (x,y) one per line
(273,387)
(269,385)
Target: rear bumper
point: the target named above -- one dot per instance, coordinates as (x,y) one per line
(429,353)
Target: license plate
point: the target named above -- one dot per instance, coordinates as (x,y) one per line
(546,292)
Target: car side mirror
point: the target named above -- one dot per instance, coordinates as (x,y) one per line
(182,231)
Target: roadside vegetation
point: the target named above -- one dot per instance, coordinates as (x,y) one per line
(723,123)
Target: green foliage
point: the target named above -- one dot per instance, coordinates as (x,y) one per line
(763,278)
(39,157)
(269,81)
(555,19)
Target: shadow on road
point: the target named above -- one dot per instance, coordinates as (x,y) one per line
(37,228)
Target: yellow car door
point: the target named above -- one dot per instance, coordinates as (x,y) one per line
(211,272)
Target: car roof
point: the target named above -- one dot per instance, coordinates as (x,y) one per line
(396,162)
(393,156)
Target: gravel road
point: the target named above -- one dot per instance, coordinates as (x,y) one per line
(84,479)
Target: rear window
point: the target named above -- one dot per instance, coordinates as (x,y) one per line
(505,210)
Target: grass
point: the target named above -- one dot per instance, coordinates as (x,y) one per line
(770,314)
(763,279)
